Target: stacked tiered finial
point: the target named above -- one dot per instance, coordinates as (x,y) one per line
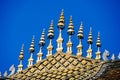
(98,44)
(90,41)
(50,36)
(61,25)
(31,49)
(41,43)
(20,66)
(61,22)
(70,33)
(80,36)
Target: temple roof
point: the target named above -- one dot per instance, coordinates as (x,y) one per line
(66,66)
(61,66)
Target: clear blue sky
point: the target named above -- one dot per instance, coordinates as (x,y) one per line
(20,19)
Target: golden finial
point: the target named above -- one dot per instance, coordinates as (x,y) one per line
(50,36)
(98,44)
(51,30)
(20,66)
(80,32)
(90,41)
(42,39)
(32,45)
(61,22)
(41,43)
(70,33)
(71,27)
(22,52)
(30,60)
(80,36)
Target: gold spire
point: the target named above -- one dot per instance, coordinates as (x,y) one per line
(32,45)
(41,43)
(61,22)
(50,36)
(80,36)
(20,66)
(42,39)
(70,33)
(71,27)
(22,53)
(90,41)
(31,49)
(80,32)
(51,31)
(98,44)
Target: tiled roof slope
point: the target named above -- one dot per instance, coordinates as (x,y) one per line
(109,71)
(61,67)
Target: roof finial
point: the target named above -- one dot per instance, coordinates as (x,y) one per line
(80,36)
(90,41)
(31,49)
(41,43)
(113,57)
(12,70)
(119,56)
(105,55)
(61,22)
(0,74)
(22,52)
(5,74)
(32,45)
(51,31)
(50,36)
(70,27)
(70,33)
(42,39)
(80,32)
(61,25)
(98,44)
(20,66)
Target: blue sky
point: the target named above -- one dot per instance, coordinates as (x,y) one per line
(20,19)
